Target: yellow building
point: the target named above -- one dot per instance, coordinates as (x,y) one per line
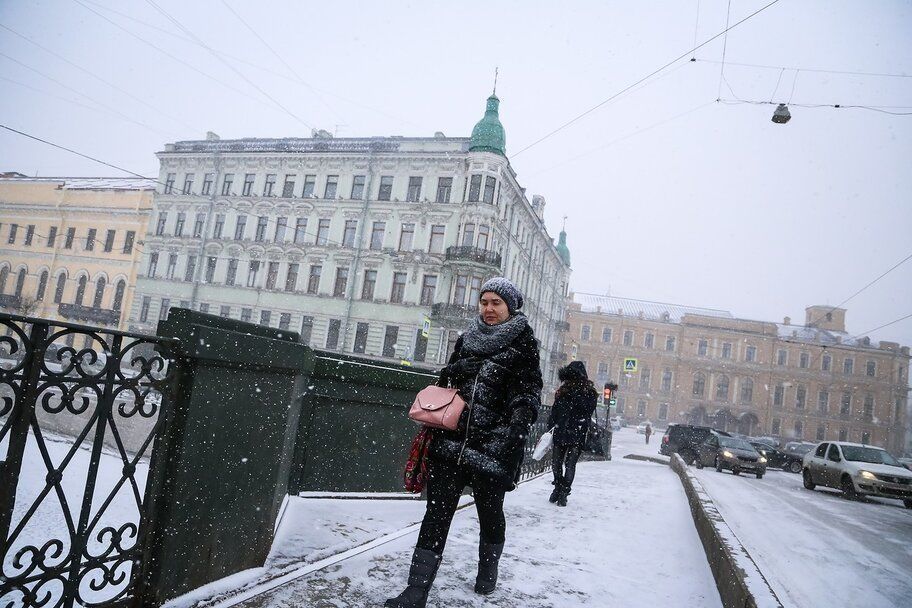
(69,248)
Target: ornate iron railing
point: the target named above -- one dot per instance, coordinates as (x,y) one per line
(465,253)
(78,425)
(452,312)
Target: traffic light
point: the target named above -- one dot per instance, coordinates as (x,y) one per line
(610,393)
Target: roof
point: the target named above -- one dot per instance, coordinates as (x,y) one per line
(93,183)
(284,145)
(488,134)
(816,335)
(650,310)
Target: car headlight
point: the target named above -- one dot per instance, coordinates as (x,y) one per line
(728,454)
(762,459)
(867,475)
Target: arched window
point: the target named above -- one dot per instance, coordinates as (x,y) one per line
(119,294)
(61,285)
(20,281)
(99,292)
(42,286)
(699,384)
(747,390)
(4,275)
(722,387)
(81,290)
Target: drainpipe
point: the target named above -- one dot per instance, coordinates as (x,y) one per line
(201,256)
(359,247)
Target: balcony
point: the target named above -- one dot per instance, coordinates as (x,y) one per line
(562,326)
(77,312)
(8,300)
(452,314)
(463,253)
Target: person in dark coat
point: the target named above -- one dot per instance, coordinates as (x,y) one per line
(648,431)
(574,404)
(495,368)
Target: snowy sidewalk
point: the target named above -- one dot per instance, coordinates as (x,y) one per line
(626,539)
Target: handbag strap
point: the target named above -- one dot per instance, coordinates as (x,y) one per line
(468,420)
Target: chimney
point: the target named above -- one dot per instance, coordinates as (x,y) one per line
(787,321)
(212,136)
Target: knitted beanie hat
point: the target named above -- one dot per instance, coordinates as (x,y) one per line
(506,290)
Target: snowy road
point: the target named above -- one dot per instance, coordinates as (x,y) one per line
(816,548)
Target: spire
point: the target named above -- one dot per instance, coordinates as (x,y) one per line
(562,250)
(488,134)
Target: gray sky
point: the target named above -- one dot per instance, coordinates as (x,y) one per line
(669,196)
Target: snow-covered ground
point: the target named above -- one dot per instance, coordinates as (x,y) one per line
(816,548)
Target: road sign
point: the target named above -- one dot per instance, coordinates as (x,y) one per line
(426,328)
(630,365)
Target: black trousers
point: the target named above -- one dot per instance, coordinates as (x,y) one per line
(446,481)
(563,463)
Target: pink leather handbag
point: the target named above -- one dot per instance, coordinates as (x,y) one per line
(437,407)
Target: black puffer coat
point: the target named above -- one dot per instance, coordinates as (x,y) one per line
(507,394)
(572,411)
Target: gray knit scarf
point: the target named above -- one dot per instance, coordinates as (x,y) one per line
(483,339)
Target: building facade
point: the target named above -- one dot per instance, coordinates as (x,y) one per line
(356,243)
(810,382)
(69,247)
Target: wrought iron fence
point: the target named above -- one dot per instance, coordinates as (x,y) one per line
(531,468)
(72,486)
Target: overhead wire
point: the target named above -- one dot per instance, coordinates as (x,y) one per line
(838,106)
(724,49)
(806,69)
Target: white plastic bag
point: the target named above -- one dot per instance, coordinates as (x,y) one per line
(543,445)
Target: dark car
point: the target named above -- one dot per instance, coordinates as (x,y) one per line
(778,459)
(730,453)
(683,439)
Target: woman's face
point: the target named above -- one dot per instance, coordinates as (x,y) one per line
(492,308)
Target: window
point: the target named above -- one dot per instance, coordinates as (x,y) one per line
(42,286)
(109,240)
(468,235)
(357,192)
(670,344)
(164,309)
(361,332)
(585,332)
(144,309)
(641,408)
(188,184)
(179,225)
(779,396)
(227,182)
(490,185)
(269,185)
(377,232)
(211,262)
(332,184)
(474,290)
(871,368)
(172,265)
(306,329)
(804,360)
(474,188)
(663,411)
(289,186)
(823,401)
(428,289)
(776,427)
(459,291)
(444,188)
(848,366)
(628,338)
(800,397)
(437,235)
(252,272)
(649,340)
(207,184)
(845,404)
(389,340)
(119,294)
(219,226)
(29,235)
(348,235)
(300,230)
(420,346)
(159,226)
(80,290)
(722,388)
(398,291)
(821,432)
(153,265)
(406,237)
(204,307)
(239,227)
(272,275)
(606,334)
(332,334)
(645,377)
(666,380)
(370,283)
(781,357)
(265,317)
(225,312)
(341,283)
(799,429)
(310,183)
(702,347)
(291,279)
(247,189)
(12,233)
(260,234)
(483,235)
(826,363)
(246,314)
(866,437)
(386,188)
(868,406)
(313,281)
(198,225)
(322,232)
(747,390)
(231,277)
(52,236)
(190,270)
(750,354)
(169,183)
(602,369)
(843,434)
(280,229)
(726,350)
(414,190)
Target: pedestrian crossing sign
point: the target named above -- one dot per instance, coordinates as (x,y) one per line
(630,365)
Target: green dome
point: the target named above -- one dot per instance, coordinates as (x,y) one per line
(488,135)
(562,250)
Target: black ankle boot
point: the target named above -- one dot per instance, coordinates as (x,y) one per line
(562,497)
(488,559)
(421,575)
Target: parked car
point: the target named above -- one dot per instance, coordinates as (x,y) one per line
(778,459)
(615,423)
(641,427)
(730,453)
(799,448)
(906,462)
(683,439)
(857,470)
(773,441)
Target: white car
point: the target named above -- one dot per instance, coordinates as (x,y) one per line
(857,470)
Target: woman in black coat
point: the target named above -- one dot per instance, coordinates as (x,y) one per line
(573,406)
(495,367)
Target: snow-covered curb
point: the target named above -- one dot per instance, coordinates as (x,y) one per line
(739,580)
